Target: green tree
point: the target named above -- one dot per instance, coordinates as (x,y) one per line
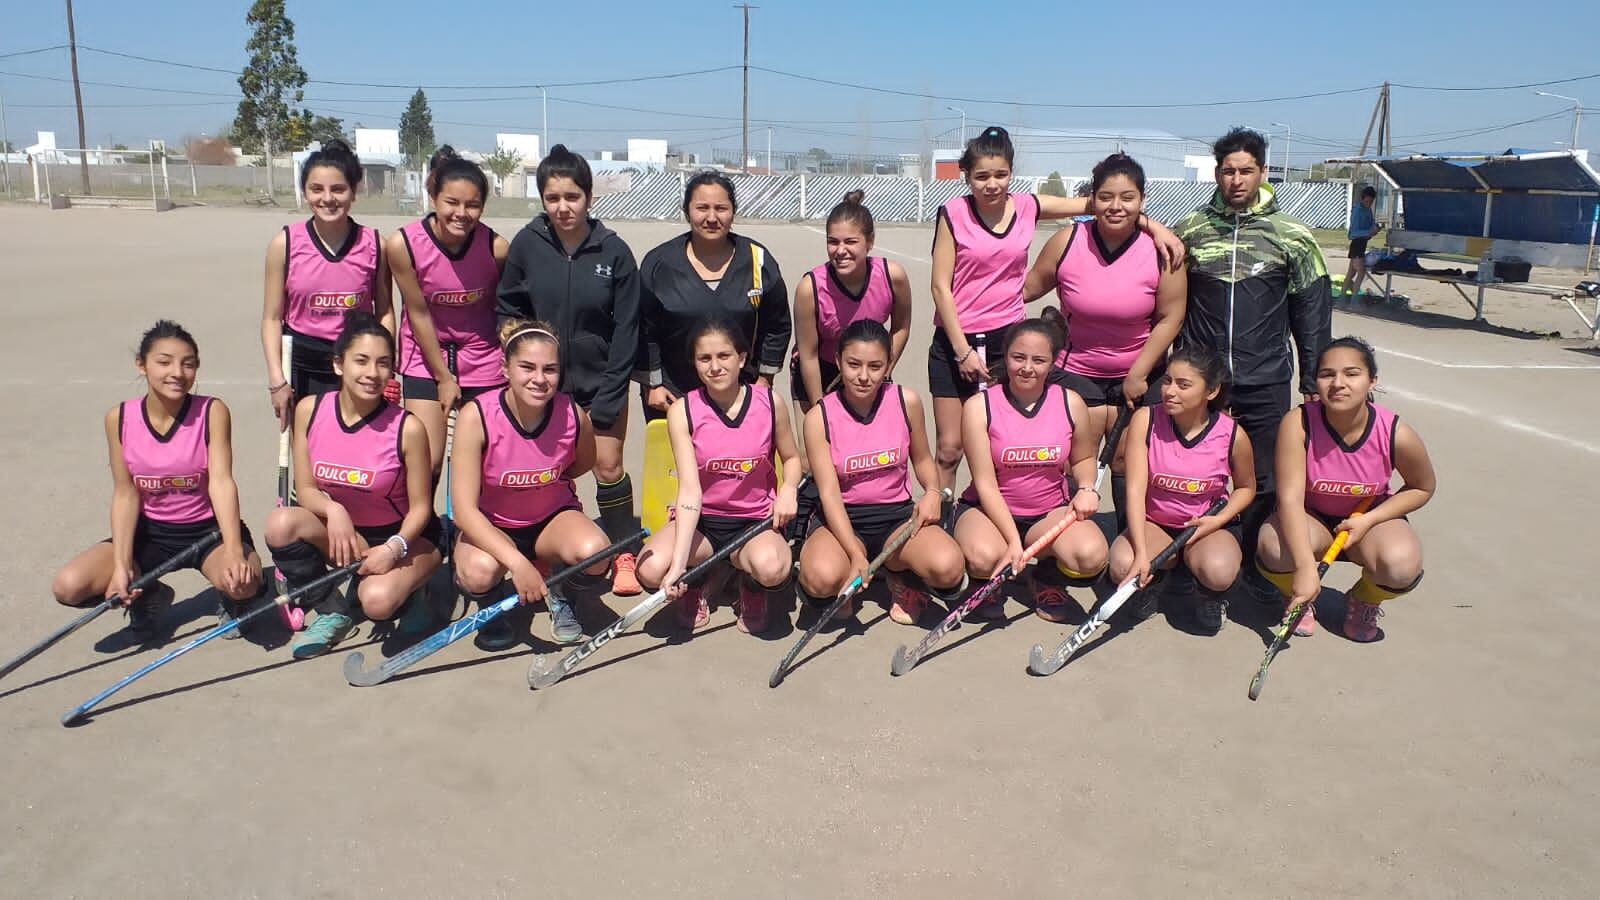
(305,127)
(270,81)
(1054,186)
(416,131)
(502,162)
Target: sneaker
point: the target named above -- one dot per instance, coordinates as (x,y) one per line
(229,610)
(752,608)
(692,609)
(322,635)
(1265,592)
(1211,611)
(497,634)
(1361,620)
(906,603)
(417,616)
(1307,626)
(563,621)
(145,613)
(624,583)
(1050,601)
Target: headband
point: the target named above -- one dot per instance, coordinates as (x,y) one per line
(519,333)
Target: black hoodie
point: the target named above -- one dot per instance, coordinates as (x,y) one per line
(592,300)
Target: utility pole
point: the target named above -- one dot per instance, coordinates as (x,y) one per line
(77,96)
(1577,113)
(769,149)
(744,148)
(1288,141)
(5,144)
(544,109)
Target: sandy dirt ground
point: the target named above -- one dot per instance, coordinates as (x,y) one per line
(1458,757)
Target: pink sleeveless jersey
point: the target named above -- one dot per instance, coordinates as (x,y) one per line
(1185,475)
(871,455)
(1031,450)
(170,470)
(734,455)
(359,466)
(837,307)
(525,472)
(990,266)
(1338,477)
(460,291)
(320,287)
(1109,301)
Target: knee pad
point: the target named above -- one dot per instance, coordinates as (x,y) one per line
(813,601)
(947,595)
(487,598)
(1073,577)
(1283,581)
(583,586)
(786,583)
(1372,593)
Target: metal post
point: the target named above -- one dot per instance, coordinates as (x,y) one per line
(1288,141)
(5,142)
(544,128)
(963,113)
(744,146)
(769,149)
(150,160)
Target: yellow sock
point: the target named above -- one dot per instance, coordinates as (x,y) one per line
(1372,593)
(1076,578)
(1283,581)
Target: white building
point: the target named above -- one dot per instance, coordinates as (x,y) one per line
(649,151)
(377,142)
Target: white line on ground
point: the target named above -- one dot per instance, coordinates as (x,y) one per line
(1450,365)
(878,248)
(1503,421)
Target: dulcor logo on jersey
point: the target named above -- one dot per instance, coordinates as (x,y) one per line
(1343,488)
(455,298)
(1043,455)
(738,466)
(328,302)
(346,476)
(1178,484)
(876,459)
(529,478)
(156,484)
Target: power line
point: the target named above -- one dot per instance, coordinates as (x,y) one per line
(131,87)
(1498,87)
(31,52)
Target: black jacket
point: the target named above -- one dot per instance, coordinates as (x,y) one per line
(592,299)
(673,299)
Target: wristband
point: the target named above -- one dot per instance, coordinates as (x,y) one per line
(274,388)
(1090,490)
(402,552)
(964,356)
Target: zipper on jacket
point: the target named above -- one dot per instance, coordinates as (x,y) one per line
(1233,281)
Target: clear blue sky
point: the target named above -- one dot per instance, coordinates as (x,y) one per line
(1038,52)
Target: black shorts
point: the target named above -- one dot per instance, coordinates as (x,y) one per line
(1358,248)
(1234,527)
(377,534)
(719,531)
(526,538)
(1107,391)
(311,366)
(414,388)
(156,542)
(1024,523)
(1332,522)
(797,385)
(944,373)
(873,523)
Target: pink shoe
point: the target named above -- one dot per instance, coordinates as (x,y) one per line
(905,602)
(692,609)
(294,618)
(1307,626)
(752,608)
(1361,620)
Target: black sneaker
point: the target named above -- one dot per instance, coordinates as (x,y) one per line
(145,614)
(1145,603)
(1265,592)
(1211,610)
(497,634)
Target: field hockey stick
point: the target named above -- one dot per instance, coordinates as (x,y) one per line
(1039,664)
(326,581)
(294,618)
(904,660)
(856,585)
(138,584)
(447,525)
(358,676)
(1285,630)
(541,675)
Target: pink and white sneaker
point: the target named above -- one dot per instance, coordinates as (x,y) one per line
(692,609)
(752,608)
(1361,620)
(906,603)
(1307,626)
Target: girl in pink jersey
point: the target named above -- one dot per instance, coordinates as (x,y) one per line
(724,438)
(1181,456)
(447,265)
(172,483)
(317,271)
(1021,444)
(980,263)
(1333,452)
(863,440)
(517,452)
(365,493)
(1122,308)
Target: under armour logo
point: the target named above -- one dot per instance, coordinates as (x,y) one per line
(602,270)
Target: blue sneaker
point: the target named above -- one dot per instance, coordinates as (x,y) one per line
(322,635)
(564,624)
(417,618)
